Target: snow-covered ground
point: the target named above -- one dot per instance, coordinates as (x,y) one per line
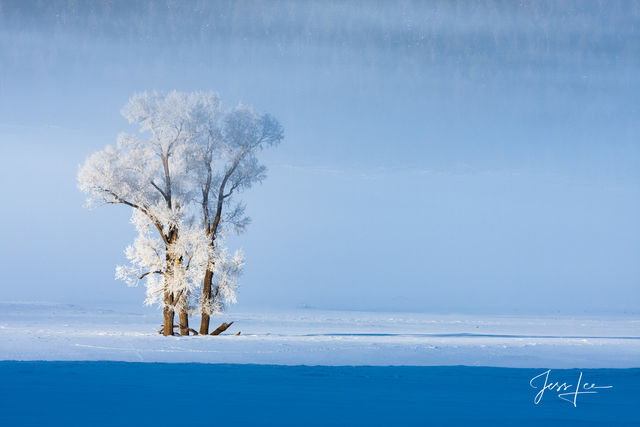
(313,337)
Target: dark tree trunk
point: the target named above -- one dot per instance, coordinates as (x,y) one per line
(184,322)
(212,232)
(208,278)
(169,299)
(168,313)
(206,298)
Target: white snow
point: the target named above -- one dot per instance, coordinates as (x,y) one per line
(314,337)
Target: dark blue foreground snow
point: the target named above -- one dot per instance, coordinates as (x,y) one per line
(149,394)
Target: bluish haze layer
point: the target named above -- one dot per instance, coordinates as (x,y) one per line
(439,156)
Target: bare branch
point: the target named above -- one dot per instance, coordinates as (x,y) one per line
(220,329)
(159,189)
(189,261)
(232,189)
(142,276)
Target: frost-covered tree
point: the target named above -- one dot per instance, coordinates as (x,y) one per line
(150,173)
(179,176)
(228,164)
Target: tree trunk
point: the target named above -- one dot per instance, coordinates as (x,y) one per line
(167,311)
(206,299)
(184,322)
(169,302)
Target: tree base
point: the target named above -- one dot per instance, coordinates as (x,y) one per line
(220,329)
(193,331)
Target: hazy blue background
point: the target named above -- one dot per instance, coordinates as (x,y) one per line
(439,156)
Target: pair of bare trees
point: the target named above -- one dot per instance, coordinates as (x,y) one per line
(181,177)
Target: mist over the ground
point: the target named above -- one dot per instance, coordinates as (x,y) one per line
(439,156)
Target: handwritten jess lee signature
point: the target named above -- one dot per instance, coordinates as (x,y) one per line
(565,391)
